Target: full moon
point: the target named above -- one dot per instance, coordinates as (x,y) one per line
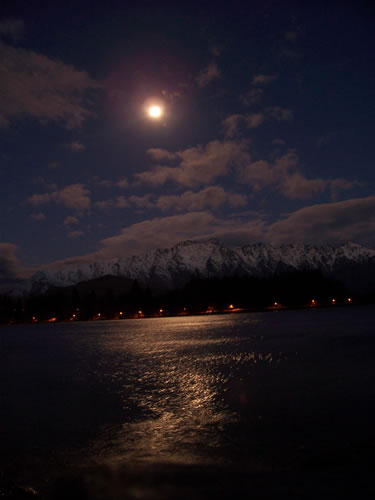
(155,112)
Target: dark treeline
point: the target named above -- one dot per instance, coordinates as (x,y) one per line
(292,289)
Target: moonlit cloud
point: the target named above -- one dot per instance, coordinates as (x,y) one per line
(53,164)
(296,186)
(338,222)
(75,146)
(167,231)
(278,113)
(122,202)
(196,165)
(8,260)
(70,220)
(206,76)
(104,205)
(141,201)
(212,197)
(284,175)
(75,197)
(38,216)
(12,273)
(233,124)
(48,90)
(254,120)
(75,234)
(252,96)
(278,142)
(122,183)
(262,79)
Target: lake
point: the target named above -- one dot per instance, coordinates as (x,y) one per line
(261,405)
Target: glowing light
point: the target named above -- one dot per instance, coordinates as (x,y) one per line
(333,301)
(155,111)
(313,301)
(349,299)
(161,311)
(231,306)
(275,304)
(120,313)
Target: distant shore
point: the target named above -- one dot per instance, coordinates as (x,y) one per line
(164,313)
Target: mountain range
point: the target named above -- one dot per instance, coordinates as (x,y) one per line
(170,268)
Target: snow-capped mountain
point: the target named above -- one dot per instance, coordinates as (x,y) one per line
(172,267)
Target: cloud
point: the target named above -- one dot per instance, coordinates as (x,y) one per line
(208,74)
(254,120)
(164,232)
(141,201)
(70,220)
(12,273)
(53,164)
(40,199)
(258,174)
(334,223)
(215,50)
(325,139)
(337,185)
(12,29)
(168,231)
(74,234)
(38,216)
(159,154)
(75,196)
(262,79)
(122,202)
(338,222)
(104,204)
(49,186)
(75,146)
(296,186)
(196,165)
(278,113)
(212,197)
(48,90)
(283,175)
(252,96)
(278,142)
(122,183)
(8,260)
(232,124)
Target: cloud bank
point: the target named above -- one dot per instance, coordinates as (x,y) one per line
(33,85)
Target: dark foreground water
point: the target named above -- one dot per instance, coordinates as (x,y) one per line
(266,405)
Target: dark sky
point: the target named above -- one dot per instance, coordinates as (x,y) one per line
(266,134)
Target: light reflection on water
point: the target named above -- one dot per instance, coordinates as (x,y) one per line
(254,388)
(173,383)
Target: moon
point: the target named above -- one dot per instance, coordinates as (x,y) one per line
(155,111)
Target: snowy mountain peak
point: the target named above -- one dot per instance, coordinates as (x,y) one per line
(173,267)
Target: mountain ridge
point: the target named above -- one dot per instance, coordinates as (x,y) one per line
(168,268)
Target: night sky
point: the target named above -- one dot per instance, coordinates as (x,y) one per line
(266,133)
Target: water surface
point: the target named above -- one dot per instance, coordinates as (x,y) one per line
(264,404)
